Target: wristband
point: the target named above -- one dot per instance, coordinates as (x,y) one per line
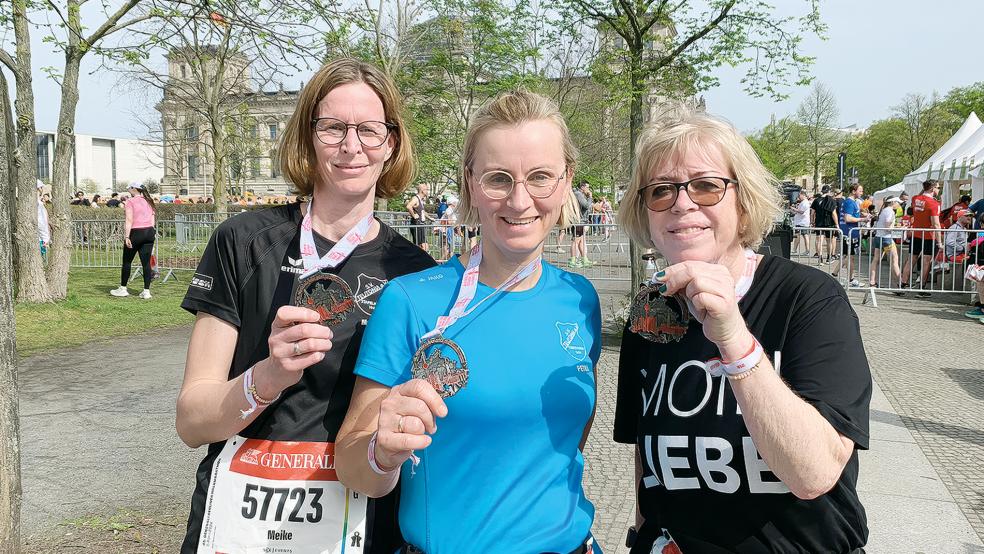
(372,458)
(716,367)
(249,391)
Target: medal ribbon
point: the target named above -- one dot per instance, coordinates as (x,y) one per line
(338,253)
(469,284)
(744,282)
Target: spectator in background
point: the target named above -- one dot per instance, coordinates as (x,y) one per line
(80,199)
(801,220)
(823,217)
(442,206)
(208,200)
(949,216)
(883,242)
(114,201)
(955,242)
(926,234)
(138,238)
(177,199)
(95,201)
(850,219)
(44,230)
(418,216)
(978,209)
(904,202)
(579,248)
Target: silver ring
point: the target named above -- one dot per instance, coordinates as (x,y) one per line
(297,349)
(399,425)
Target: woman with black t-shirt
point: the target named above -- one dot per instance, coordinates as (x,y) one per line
(743,381)
(281,297)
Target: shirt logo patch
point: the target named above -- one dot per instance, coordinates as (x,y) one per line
(294,266)
(200,281)
(367,291)
(571,341)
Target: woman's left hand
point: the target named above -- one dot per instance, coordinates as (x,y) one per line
(127,242)
(710,293)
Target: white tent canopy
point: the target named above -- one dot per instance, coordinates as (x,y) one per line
(957,163)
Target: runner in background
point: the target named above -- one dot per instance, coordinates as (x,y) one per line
(281,297)
(139,235)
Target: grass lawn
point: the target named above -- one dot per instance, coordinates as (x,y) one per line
(89,312)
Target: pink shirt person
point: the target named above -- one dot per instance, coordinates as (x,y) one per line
(142,215)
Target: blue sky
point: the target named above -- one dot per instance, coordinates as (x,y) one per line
(876,52)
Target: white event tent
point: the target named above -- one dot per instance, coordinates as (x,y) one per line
(959,162)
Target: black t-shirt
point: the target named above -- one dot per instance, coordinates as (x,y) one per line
(824,206)
(703,479)
(248,270)
(113,203)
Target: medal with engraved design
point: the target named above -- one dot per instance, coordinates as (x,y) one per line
(654,319)
(446,374)
(326,293)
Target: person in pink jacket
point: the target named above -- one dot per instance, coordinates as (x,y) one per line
(138,238)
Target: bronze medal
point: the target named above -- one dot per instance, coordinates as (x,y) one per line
(328,294)
(653,318)
(446,375)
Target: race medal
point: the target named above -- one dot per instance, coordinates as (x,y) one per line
(446,375)
(326,293)
(652,318)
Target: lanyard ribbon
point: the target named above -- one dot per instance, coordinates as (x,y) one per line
(338,253)
(469,284)
(744,282)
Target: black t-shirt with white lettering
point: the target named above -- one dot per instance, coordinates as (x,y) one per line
(248,270)
(703,479)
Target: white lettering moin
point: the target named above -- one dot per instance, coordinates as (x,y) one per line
(708,385)
(668,463)
(718,466)
(657,391)
(755,466)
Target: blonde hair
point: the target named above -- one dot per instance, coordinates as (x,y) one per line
(297,155)
(675,133)
(510,109)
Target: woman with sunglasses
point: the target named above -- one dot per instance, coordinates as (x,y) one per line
(743,381)
(476,385)
(281,297)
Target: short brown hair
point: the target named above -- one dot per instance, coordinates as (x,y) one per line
(297,156)
(930,183)
(509,109)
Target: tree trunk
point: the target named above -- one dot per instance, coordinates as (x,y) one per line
(8,136)
(219,184)
(10,482)
(61,190)
(638,268)
(31,286)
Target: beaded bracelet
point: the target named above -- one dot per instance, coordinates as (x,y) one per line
(255,400)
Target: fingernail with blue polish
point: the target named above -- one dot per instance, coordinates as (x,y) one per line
(661,274)
(662,288)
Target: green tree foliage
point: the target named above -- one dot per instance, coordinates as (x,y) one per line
(780,147)
(880,154)
(961,101)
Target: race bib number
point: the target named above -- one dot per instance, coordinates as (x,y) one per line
(280,497)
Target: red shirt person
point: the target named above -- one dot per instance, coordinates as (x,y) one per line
(926,225)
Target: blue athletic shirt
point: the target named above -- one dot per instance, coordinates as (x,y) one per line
(850,207)
(503,473)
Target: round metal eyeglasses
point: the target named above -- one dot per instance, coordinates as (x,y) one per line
(331,131)
(540,183)
(703,191)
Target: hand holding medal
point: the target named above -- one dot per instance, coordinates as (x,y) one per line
(712,296)
(407,415)
(296,342)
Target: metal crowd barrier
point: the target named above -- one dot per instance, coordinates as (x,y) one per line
(887,261)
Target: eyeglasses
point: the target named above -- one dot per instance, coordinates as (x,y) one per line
(540,183)
(703,191)
(331,131)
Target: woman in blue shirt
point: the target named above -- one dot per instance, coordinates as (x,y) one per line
(492,431)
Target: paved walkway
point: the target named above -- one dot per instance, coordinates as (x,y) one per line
(98,433)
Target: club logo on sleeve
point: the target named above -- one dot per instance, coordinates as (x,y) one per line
(367,291)
(571,341)
(203,282)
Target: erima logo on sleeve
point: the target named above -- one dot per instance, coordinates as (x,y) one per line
(203,282)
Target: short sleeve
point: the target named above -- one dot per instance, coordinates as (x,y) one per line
(629,388)
(390,339)
(214,288)
(824,362)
